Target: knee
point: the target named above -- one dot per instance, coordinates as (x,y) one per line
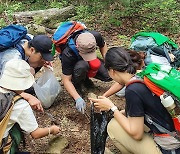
(80,70)
(81,66)
(111,128)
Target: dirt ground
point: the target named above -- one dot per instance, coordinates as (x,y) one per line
(75,127)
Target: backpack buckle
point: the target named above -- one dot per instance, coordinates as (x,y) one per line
(148,119)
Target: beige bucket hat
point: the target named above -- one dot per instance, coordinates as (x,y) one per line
(16,75)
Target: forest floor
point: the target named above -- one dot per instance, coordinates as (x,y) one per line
(75,127)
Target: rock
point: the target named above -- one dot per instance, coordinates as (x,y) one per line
(36,29)
(57,144)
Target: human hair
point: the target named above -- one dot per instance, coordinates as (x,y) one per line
(117,58)
(31,45)
(136,58)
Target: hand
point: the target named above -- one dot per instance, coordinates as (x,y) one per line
(48,64)
(102,103)
(54,129)
(80,105)
(33,101)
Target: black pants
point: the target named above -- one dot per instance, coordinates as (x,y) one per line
(81,69)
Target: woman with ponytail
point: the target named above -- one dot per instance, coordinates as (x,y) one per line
(119,89)
(127,128)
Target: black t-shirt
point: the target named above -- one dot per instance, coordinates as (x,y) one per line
(141,101)
(69,58)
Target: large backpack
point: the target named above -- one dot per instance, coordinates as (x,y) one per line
(162,79)
(156,45)
(165,77)
(7,101)
(10,37)
(64,35)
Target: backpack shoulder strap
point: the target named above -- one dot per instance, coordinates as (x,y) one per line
(21,50)
(71,41)
(71,44)
(134,81)
(149,84)
(19,47)
(16,98)
(161,128)
(4,121)
(153,87)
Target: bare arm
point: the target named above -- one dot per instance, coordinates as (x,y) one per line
(69,86)
(134,126)
(103,50)
(33,101)
(113,89)
(41,132)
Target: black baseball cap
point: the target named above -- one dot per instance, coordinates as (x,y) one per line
(43,44)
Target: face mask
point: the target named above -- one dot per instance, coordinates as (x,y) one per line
(94,66)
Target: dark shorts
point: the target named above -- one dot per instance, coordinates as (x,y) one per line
(81,69)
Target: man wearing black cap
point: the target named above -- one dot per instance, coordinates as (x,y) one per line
(37,52)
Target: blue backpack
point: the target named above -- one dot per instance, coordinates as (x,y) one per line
(64,35)
(10,37)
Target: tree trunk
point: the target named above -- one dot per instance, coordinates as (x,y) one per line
(48,18)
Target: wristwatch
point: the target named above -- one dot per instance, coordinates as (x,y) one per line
(110,113)
(114,108)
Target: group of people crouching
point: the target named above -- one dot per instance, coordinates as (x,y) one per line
(128,127)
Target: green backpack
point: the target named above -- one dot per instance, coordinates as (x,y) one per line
(157,44)
(165,77)
(164,82)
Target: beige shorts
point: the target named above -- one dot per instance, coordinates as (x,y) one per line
(127,145)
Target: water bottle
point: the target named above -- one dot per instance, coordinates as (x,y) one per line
(168,103)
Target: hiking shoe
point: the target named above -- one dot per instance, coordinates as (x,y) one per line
(88,83)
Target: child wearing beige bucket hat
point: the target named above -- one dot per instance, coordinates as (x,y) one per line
(16,77)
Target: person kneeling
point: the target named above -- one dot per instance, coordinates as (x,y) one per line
(127,128)
(16,77)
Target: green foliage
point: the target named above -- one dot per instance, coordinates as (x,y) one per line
(3,23)
(100,12)
(7,9)
(144,15)
(124,40)
(155,15)
(57,4)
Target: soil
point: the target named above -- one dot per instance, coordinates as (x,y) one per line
(75,127)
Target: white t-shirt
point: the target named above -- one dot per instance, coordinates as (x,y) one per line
(24,116)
